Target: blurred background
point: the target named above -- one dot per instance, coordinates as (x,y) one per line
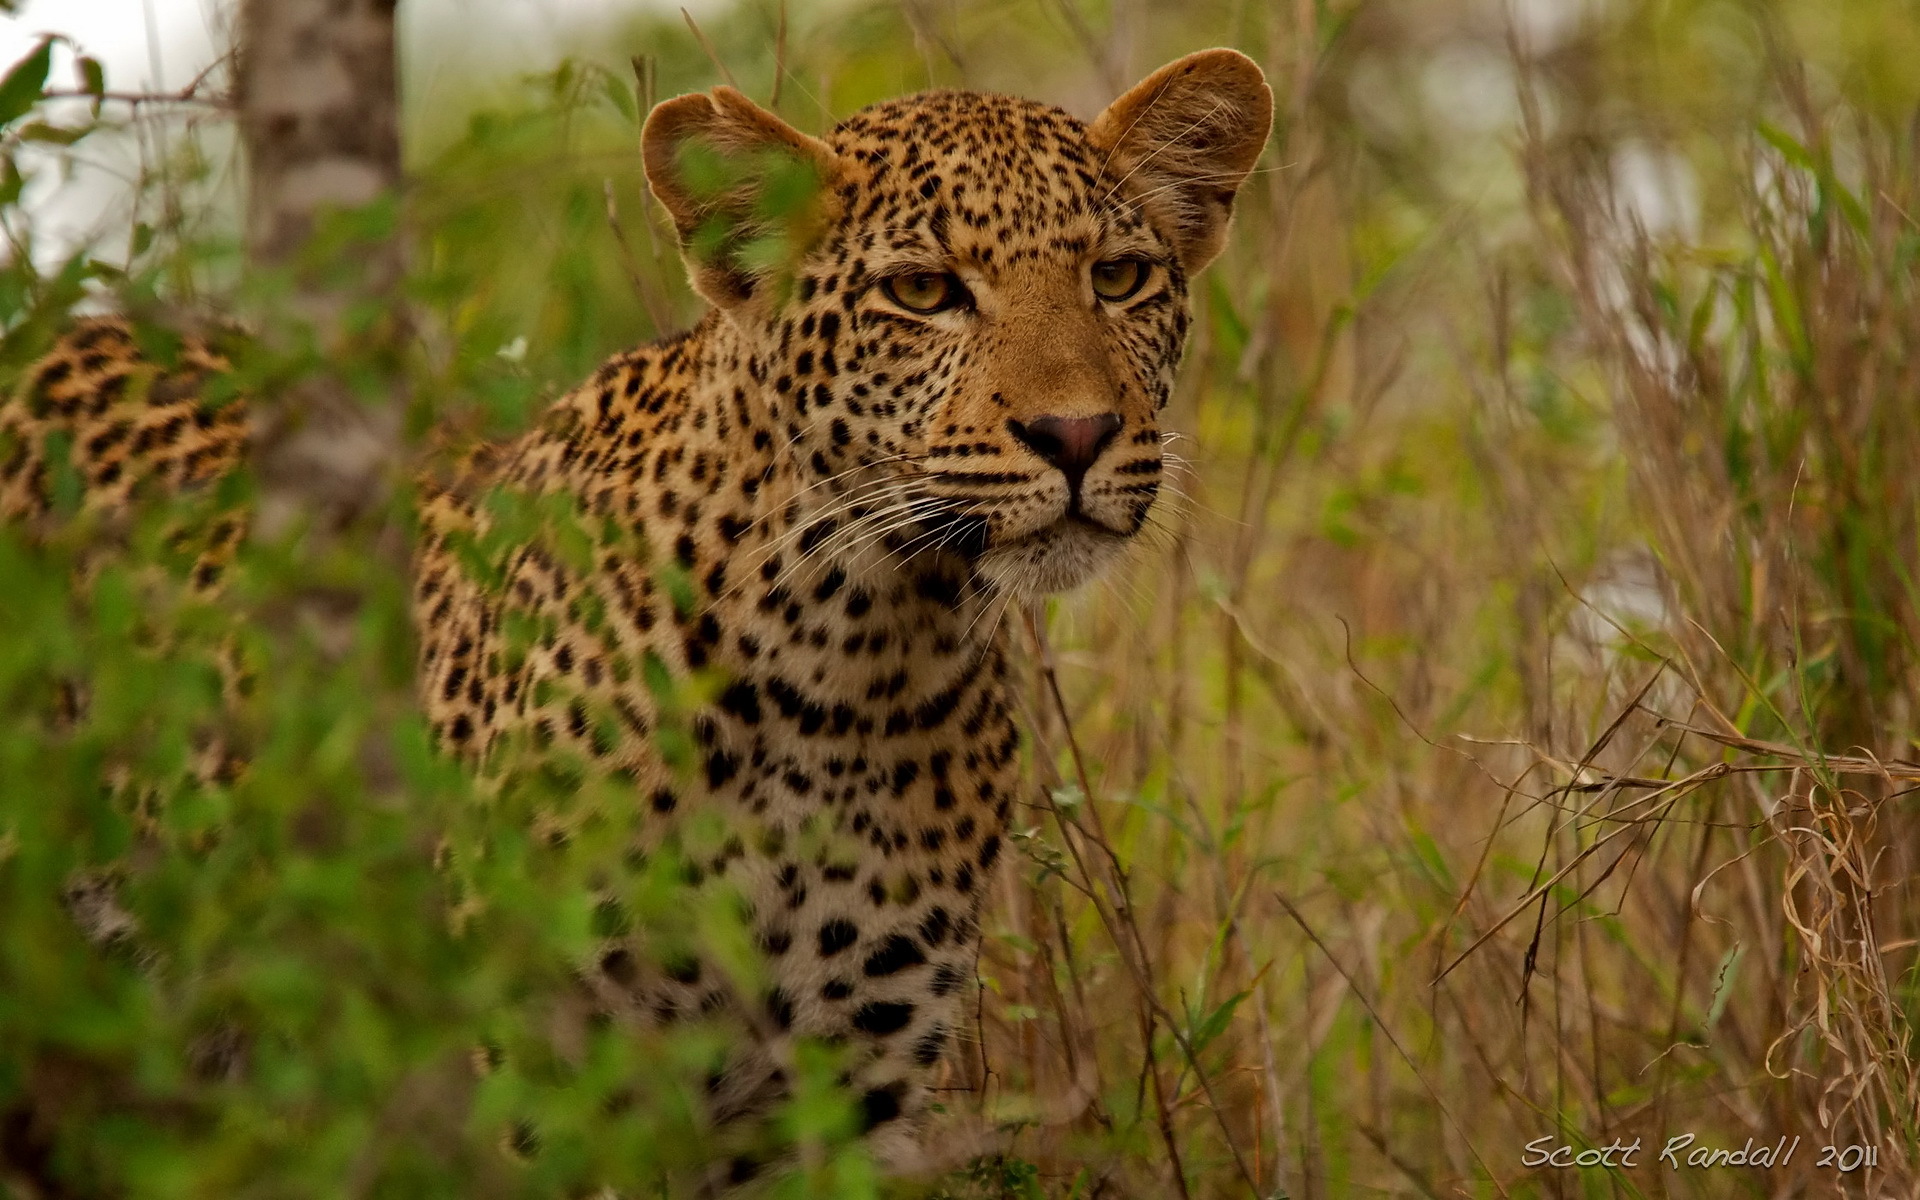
(1508,730)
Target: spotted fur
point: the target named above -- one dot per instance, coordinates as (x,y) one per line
(850,492)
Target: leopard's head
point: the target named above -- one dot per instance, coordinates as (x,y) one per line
(966,313)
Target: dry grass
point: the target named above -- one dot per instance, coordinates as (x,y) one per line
(1511,733)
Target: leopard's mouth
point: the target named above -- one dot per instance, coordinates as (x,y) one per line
(1066,529)
(970,534)
(1076,518)
(1053,558)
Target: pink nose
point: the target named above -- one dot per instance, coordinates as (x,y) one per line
(1071,444)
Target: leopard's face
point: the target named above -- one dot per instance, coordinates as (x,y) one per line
(983,343)
(973,353)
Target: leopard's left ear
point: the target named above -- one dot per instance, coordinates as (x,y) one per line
(1183,140)
(747,192)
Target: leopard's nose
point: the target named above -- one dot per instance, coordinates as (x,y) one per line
(1069,443)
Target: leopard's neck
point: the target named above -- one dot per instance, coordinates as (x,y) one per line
(795,564)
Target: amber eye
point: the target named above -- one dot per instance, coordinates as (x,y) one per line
(1119,278)
(925,291)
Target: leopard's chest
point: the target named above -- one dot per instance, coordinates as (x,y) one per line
(862,743)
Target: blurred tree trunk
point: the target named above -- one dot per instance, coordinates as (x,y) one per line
(319,110)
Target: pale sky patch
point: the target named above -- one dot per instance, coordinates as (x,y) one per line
(162,45)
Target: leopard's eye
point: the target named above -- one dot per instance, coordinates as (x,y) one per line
(1119,278)
(925,291)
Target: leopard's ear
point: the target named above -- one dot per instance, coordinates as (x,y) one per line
(747,192)
(1181,143)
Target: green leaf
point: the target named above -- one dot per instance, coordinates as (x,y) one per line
(25,82)
(1789,148)
(1234,331)
(621,96)
(678,585)
(53,135)
(11,181)
(93,80)
(67,487)
(1215,1023)
(1850,206)
(787,185)
(706,173)
(1723,980)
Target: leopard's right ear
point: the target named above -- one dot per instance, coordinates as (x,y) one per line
(747,192)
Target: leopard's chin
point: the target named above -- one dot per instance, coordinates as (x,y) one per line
(1055,558)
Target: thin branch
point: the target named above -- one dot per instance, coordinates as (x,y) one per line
(139,98)
(707,46)
(636,278)
(1137,961)
(779,58)
(1386,1029)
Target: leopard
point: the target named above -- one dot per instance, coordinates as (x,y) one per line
(927,393)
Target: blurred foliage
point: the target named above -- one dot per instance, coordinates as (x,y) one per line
(1552,401)
(347,968)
